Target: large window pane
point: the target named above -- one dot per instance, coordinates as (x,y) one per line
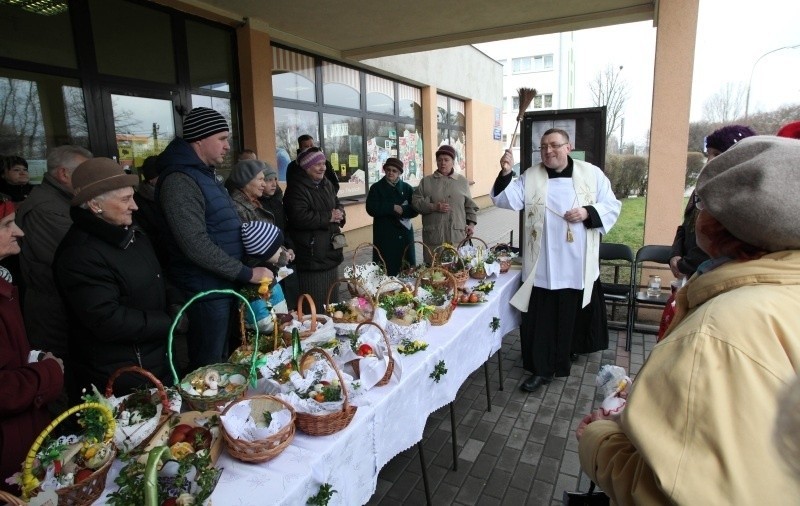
(29,34)
(381,144)
(409,150)
(380,95)
(293,75)
(410,101)
(457,116)
(342,143)
(143,127)
(39,113)
(210,56)
(289,125)
(125,33)
(341,86)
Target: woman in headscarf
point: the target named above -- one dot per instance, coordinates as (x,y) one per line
(28,381)
(389,203)
(443,199)
(111,283)
(698,425)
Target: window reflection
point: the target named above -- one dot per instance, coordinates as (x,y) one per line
(342,143)
(452,128)
(293,75)
(380,95)
(341,85)
(25,131)
(289,125)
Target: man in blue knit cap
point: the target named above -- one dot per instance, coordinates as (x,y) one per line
(204,239)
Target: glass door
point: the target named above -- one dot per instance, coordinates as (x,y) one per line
(143,126)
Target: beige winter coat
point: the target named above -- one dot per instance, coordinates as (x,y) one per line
(699,424)
(437,227)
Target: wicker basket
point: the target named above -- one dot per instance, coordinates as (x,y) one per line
(11,499)
(399,331)
(225,395)
(90,489)
(128,438)
(475,273)
(455,267)
(504,260)
(356,289)
(331,423)
(441,314)
(410,271)
(316,320)
(264,449)
(355,364)
(243,353)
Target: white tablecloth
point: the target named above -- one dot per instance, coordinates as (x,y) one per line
(389,419)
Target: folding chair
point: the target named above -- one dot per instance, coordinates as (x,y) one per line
(616,279)
(658,254)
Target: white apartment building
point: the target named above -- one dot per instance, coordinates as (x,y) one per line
(543,62)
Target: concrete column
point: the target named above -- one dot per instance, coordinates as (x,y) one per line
(430,132)
(255,73)
(669,130)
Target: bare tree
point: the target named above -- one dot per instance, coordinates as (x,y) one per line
(726,105)
(610,90)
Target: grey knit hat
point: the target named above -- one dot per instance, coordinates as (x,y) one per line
(202,122)
(752,190)
(261,239)
(245,171)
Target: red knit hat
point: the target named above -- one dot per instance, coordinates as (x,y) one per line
(6,206)
(791,130)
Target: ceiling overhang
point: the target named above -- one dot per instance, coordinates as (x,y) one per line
(357,30)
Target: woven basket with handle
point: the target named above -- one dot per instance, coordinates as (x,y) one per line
(128,438)
(224,395)
(330,423)
(268,448)
(475,273)
(500,251)
(389,369)
(441,314)
(88,490)
(447,257)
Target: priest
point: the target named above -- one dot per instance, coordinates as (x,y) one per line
(567,205)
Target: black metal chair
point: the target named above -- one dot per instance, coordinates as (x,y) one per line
(616,278)
(658,254)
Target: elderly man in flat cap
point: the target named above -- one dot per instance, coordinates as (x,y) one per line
(205,242)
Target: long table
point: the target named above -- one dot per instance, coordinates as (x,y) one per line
(389,419)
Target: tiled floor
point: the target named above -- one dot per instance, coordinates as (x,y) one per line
(523,451)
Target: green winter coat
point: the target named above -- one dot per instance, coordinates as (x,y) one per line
(388,234)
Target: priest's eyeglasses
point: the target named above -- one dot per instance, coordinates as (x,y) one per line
(554,146)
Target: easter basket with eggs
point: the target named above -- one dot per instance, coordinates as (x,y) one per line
(408,273)
(71,469)
(323,408)
(407,316)
(177,466)
(444,299)
(214,385)
(505,254)
(139,414)
(311,325)
(378,353)
(448,258)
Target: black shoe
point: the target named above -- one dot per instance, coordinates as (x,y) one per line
(573,357)
(534,382)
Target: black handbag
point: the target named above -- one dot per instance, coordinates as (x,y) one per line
(590,498)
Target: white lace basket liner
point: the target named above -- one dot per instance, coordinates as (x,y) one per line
(372,276)
(133,435)
(313,327)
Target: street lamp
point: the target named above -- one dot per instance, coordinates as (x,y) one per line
(752,71)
